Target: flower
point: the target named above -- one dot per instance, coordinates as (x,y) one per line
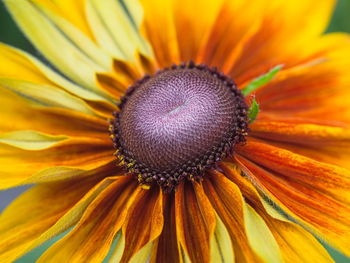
(186,176)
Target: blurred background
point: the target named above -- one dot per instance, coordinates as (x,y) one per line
(10,34)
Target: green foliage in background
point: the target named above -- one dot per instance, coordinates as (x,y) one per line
(10,34)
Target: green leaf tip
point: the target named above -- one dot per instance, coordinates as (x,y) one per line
(253,111)
(261,80)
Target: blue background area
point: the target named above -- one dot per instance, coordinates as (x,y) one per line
(10,34)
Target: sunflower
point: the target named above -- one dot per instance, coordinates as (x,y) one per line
(176,131)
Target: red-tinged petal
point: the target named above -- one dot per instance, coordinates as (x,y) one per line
(47,210)
(300,131)
(296,244)
(321,140)
(195,221)
(144,222)
(167,246)
(316,193)
(294,91)
(100,223)
(227,201)
(325,178)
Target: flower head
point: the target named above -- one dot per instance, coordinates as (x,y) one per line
(170,131)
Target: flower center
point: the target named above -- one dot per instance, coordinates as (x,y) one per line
(178,123)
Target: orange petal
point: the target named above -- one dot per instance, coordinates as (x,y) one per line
(160,30)
(227,201)
(144,222)
(41,207)
(99,225)
(199,24)
(296,244)
(109,83)
(267,45)
(127,70)
(322,140)
(227,34)
(125,74)
(84,153)
(169,35)
(294,91)
(316,193)
(300,131)
(147,64)
(271,46)
(195,221)
(18,114)
(167,246)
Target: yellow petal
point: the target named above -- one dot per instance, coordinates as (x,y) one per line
(221,245)
(55,45)
(260,237)
(46,95)
(13,62)
(297,244)
(19,166)
(118,250)
(33,70)
(94,52)
(73,11)
(142,255)
(46,211)
(30,140)
(120,37)
(319,15)
(100,223)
